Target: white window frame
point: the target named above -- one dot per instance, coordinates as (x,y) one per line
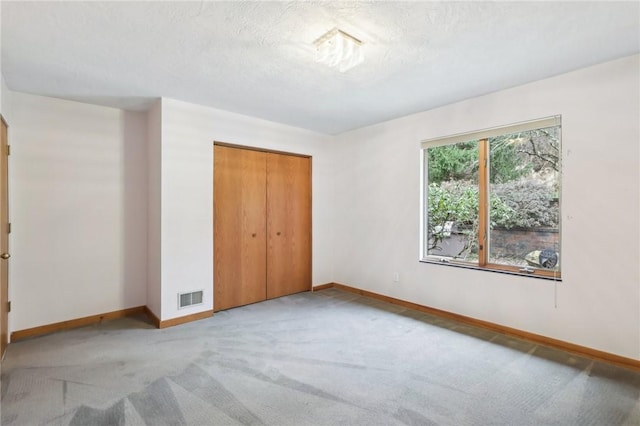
(472,136)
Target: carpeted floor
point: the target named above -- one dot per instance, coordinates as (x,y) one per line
(324,358)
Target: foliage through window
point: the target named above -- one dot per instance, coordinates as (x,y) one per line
(492,199)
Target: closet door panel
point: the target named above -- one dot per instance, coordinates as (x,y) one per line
(288,224)
(239,227)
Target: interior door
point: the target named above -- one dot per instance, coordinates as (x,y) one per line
(239,227)
(4,238)
(288,224)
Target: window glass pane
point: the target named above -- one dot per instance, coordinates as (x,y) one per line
(524,199)
(452,197)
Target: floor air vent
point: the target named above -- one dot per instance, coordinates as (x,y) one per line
(189,299)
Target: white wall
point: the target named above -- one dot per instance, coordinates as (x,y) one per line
(598,303)
(154,145)
(79,209)
(2,89)
(4,100)
(2,85)
(188,133)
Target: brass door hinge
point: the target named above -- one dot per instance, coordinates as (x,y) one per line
(8,149)
(8,306)
(9,228)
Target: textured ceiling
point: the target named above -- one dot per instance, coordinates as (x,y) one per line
(257,58)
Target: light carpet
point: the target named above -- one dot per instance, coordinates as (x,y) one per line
(323,358)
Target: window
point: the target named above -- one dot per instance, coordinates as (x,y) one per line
(491,199)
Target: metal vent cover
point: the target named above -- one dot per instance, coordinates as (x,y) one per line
(190,299)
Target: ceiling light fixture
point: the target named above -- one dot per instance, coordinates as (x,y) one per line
(339,49)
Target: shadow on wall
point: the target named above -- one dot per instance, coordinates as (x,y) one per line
(134,207)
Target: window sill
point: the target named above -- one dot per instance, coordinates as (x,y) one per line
(539,274)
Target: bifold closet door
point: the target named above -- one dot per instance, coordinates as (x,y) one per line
(288,224)
(239,187)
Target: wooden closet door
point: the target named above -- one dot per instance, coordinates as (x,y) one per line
(239,227)
(288,224)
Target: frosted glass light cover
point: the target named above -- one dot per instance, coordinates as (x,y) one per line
(339,50)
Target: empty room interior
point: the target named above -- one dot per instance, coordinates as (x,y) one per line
(320,213)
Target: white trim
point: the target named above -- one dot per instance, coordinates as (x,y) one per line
(524,126)
(477,135)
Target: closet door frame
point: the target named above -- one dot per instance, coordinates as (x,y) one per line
(271,151)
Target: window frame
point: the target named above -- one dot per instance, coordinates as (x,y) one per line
(482,136)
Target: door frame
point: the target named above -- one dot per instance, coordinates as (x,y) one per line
(256,148)
(4,236)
